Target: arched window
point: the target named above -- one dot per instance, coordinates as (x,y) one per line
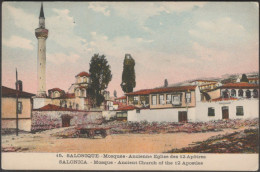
(233,93)
(85,79)
(78,92)
(240,93)
(255,93)
(83,93)
(77,106)
(248,94)
(65,105)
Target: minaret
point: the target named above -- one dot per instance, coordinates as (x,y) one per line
(41,34)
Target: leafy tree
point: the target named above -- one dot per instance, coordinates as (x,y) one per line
(100,76)
(115,93)
(165,83)
(128,75)
(244,78)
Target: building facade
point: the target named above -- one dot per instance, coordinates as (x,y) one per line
(8,108)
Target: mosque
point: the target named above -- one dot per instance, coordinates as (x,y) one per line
(76,97)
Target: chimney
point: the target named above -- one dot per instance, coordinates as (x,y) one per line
(19,85)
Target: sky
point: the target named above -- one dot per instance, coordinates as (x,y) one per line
(176,41)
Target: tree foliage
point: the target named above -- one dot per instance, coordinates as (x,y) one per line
(165,83)
(128,75)
(244,78)
(100,76)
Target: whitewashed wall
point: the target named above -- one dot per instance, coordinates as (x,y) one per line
(160,115)
(250,107)
(39,102)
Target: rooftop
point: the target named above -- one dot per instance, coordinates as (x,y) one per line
(9,92)
(56,89)
(162,90)
(51,107)
(244,85)
(83,74)
(224,99)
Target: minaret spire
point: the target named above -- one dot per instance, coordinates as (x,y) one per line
(41,34)
(41,12)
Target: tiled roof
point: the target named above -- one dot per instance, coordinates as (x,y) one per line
(162,90)
(124,108)
(69,95)
(224,99)
(9,92)
(83,74)
(244,85)
(56,89)
(122,97)
(51,107)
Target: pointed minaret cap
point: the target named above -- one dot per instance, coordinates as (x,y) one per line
(41,13)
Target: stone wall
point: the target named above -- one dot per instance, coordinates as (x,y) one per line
(44,120)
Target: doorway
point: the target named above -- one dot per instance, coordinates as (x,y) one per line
(182,116)
(225,113)
(65,120)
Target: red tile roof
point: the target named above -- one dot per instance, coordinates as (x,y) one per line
(51,107)
(9,92)
(56,89)
(162,90)
(122,97)
(253,78)
(125,108)
(69,95)
(83,74)
(224,99)
(244,85)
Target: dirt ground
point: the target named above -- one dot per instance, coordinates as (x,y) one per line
(120,143)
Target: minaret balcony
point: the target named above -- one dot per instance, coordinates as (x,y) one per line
(41,32)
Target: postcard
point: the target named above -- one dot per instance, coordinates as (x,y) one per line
(130,86)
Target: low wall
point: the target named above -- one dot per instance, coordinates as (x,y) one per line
(44,120)
(23,124)
(250,107)
(160,115)
(108,114)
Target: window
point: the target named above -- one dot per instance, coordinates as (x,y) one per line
(240,93)
(176,100)
(136,100)
(20,108)
(211,111)
(144,100)
(83,93)
(154,99)
(255,93)
(248,94)
(240,111)
(161,99)
(225,94)
(233,93)
(168,99)
(188,98)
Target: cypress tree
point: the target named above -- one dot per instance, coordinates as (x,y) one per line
(128,76)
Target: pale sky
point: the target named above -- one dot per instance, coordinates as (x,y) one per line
(173,40)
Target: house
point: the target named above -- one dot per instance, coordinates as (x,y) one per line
(121,99)
(253,81)
(163,104)
(8,107)
(190,104)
